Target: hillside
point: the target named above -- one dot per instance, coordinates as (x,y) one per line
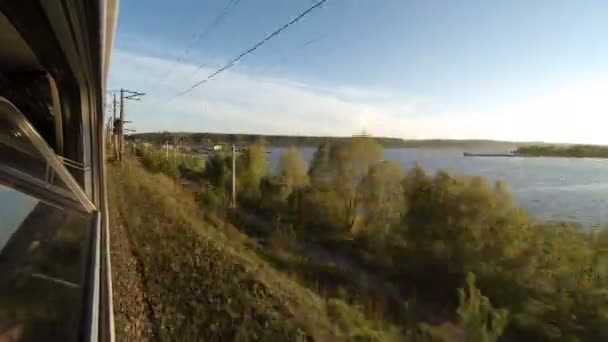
(287,140)
(181,274)
(417,249)
(203,282)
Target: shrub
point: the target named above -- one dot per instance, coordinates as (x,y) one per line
(354,326)
(480,321)
(211,199)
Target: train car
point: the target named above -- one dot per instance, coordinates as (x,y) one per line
(55,272)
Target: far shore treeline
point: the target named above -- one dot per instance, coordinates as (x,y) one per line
(314,141)
(576,151)
(531,149)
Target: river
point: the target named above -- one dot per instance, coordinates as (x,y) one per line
(561,189)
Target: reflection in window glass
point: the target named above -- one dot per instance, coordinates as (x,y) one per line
(27,163)
(14,208)
(42,265)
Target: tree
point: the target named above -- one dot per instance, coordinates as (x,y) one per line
(320,171)
(293,168)
(217,174)
(349,163)
(337,169)
(318,209)
(252,167)
(216,171)
(274,193)
(380,199)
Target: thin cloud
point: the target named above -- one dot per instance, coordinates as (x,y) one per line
(241,100)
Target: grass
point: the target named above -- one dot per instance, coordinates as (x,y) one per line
(204,280)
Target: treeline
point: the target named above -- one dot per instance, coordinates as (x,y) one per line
(294,140)
(431,235)
(577,151)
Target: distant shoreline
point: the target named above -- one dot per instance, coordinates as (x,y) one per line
(573,151)
(314,141)
(474,146)
(515,155)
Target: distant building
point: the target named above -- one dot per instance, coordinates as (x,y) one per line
(363,134)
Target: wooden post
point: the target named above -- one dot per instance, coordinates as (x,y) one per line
(113,107)
(122,123)
(114,133)
(130,95)
(233,176)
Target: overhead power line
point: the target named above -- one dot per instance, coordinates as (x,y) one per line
(285,57)
(216,22)
(231,5)
(233,61)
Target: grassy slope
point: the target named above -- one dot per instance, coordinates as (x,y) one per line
(204,282)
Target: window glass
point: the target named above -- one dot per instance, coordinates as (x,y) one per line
(27,163)
(14,209)
(42,268)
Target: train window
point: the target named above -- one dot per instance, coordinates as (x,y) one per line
(43,258)
(28,164)
(46,225)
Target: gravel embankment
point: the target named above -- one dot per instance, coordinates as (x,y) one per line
(132,315)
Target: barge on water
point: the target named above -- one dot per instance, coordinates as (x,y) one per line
(469,154)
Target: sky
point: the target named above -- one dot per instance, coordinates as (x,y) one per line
(510,70)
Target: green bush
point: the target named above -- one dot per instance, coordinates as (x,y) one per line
(354,326)
(211,199)
(480,321)
(157,161)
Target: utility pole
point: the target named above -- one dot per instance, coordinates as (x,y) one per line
(122,124)
(113,107)
(233,177)
(119,131)
(114,129)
